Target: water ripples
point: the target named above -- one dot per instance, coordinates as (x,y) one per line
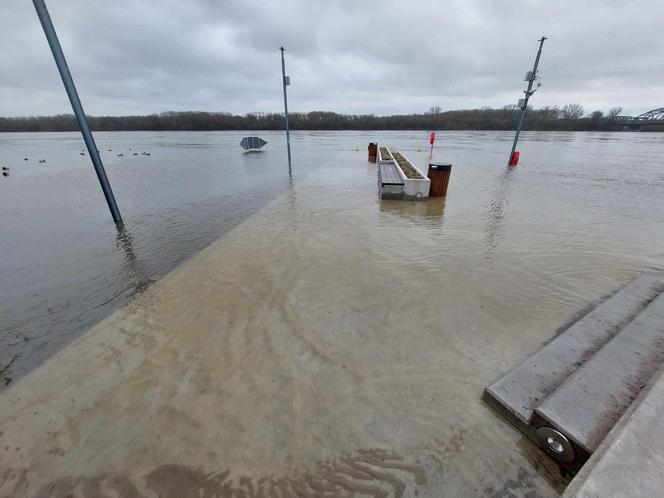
(581,215)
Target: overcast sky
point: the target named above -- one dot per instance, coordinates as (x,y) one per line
(382,57)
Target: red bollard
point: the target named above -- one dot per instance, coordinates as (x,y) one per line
(514,160)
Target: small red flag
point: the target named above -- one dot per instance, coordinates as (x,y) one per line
(432,138)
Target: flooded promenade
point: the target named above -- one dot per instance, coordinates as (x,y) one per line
(332,344)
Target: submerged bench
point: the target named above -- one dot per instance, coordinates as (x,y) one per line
(390,182)
(390,175)
(399,178)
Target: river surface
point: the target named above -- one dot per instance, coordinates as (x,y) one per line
(64,266)
(488,274)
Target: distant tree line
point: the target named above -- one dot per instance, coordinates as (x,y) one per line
(570,117)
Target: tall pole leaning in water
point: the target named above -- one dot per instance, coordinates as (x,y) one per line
(523,103)
(67,80)
(286,82)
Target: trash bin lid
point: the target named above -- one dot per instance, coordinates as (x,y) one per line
(440,166)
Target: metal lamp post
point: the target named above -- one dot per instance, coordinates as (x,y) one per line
(531,76)
(286,82)
(67,80)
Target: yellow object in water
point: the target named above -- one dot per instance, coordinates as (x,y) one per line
(357,150)
(419,150)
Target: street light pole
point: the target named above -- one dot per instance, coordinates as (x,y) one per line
(523,103)
(286,82)
(67,80)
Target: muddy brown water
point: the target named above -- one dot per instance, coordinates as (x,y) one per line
(328,343)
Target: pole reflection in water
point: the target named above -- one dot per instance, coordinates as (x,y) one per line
(136,274)
(496,208)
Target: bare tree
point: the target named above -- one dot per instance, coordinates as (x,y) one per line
(571,111)
(546,118)
(435,109)
(510,107)
(614,112)
(596,115)
(550,113)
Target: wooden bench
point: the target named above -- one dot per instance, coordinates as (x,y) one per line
(389,175)
(390,183)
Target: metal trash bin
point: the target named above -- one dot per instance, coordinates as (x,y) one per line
(439,174)
(373,152)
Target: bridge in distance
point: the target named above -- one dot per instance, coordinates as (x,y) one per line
(650,118)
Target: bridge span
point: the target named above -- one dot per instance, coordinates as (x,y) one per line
(654,117)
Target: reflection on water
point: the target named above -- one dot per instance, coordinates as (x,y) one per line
(134,271)
(496,208)
(124,242)
(323,322)
(63,265)
(580,208)
(432,208)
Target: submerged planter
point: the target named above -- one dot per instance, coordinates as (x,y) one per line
(384,155)
(415,183)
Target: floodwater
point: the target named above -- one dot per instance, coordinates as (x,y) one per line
(64,266)
(312,339)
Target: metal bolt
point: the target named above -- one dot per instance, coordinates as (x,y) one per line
(556,444)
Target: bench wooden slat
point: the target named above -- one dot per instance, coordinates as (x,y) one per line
(389,174)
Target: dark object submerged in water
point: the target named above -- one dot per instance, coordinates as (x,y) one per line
(252,143)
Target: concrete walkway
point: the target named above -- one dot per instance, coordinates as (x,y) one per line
(631,460)
(316,350)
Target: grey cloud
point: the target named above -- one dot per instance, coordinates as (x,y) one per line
(368,56)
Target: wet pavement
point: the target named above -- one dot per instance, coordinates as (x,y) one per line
(312,347)
(329,345)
